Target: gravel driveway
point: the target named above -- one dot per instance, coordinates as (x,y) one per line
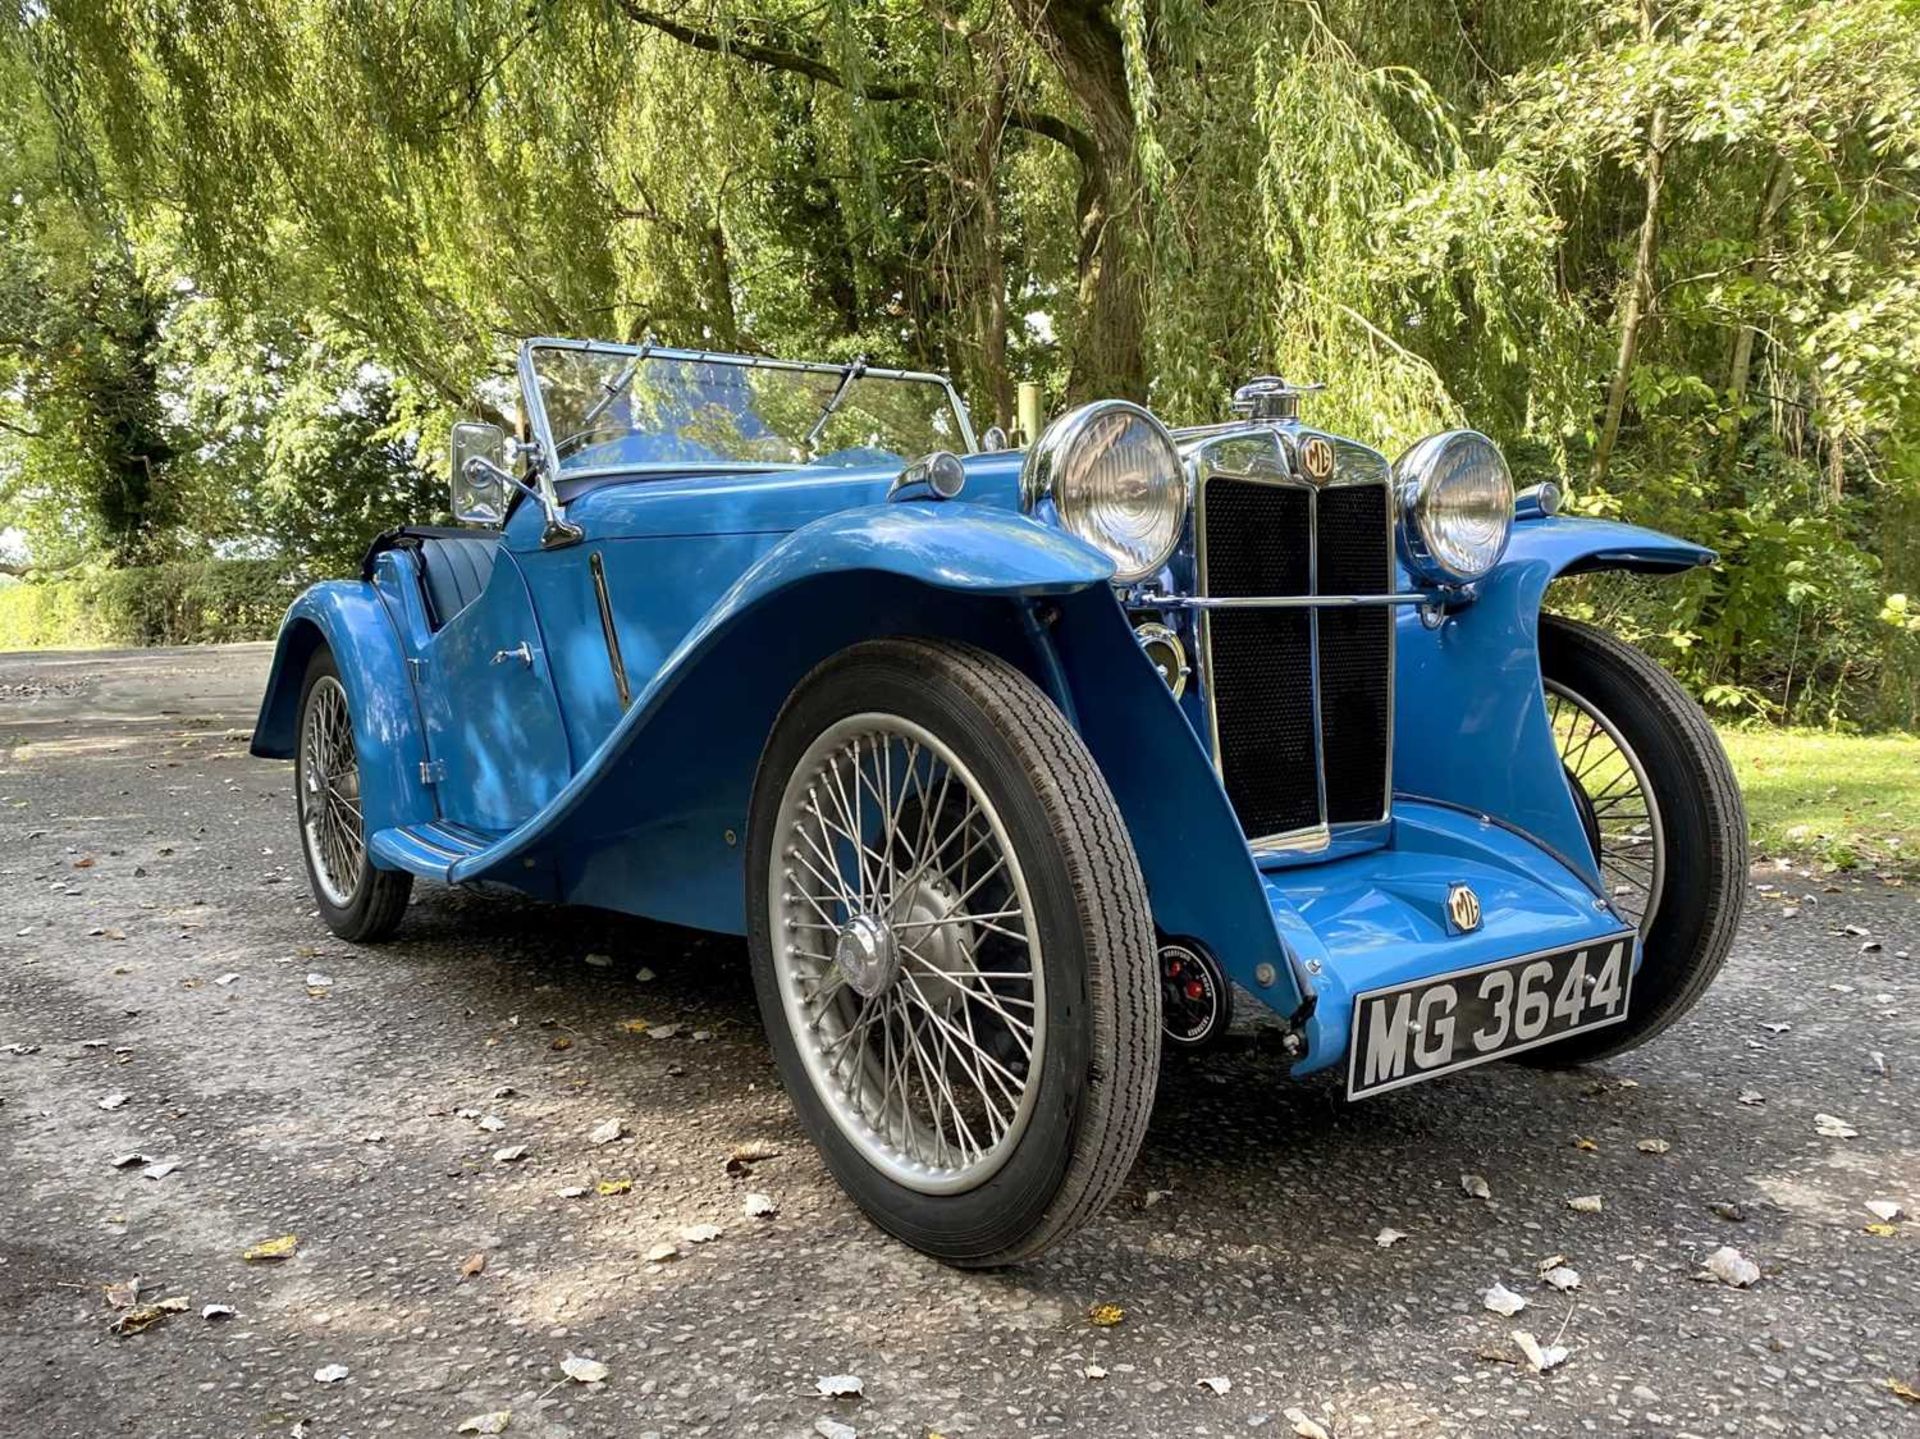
(166,991)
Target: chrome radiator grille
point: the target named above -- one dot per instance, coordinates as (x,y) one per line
(1300,700)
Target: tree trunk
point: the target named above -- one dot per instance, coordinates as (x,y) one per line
(1639,301)
(1110,343)
(1740,362)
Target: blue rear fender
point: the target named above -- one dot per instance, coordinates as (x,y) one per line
(350,619)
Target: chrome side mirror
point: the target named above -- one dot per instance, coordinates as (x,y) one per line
(481,484)
(994,440)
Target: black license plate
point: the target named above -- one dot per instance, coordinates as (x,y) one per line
(1412,1032)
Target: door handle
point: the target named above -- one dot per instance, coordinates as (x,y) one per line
(522,652)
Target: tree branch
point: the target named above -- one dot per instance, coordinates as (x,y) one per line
(741,45)
(21,430)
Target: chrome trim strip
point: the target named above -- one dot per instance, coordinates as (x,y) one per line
(597,567)
(1286,602)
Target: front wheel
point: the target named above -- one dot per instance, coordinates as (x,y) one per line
(951,949)
(1663,815)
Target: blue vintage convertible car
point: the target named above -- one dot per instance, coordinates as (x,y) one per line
(1014,767)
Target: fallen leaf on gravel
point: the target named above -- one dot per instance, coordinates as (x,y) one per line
(1475,1186)
(269,1249)
(1881,1231)
(123,1161)
(330,1373)
(1580,1141)
(607,1131)
(1585,1204)
(1305,1425)
(664,1031)
(1752,1096)
(492,1123)
(503,1091)
(160,1170)
(473,1265)
(1105,1316)
(1502,1300)
(1858,931)
(744,1156)
(317,980)
(583,1371)
(1903,1391)
(113,1101)
(1153,1197)
(511,1154)
(84,862)
(1094,1371)
(610,1187)
(224,980)
(701,1233)
(837,1386)
(1387,1238)
(1562,1278)
(1885,1210)
(1541,1357)
(643,975)
(175,1304)
(1832,1126)
(759,1206)
(1725,1209)
(494,1423)
(1218,1383)
(1653,1146)
(562,1043)
(573,1191)
(218,1311)
(373,1136)
(600,961)
(125,1296)
(662,1252)
(635,1026)
(132,1321)
(834,1429)
(1730,1266)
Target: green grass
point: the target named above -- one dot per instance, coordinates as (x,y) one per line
(1843,801)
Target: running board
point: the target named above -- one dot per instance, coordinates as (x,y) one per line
(430,849)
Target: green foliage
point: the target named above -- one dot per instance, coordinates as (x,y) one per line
(282,245)
(184,603)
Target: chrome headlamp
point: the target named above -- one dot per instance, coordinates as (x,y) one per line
(1116,478)
(1456,507)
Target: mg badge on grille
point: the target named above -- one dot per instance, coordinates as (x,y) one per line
(1316,458)
(1463,909)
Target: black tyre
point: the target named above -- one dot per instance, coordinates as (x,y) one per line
(1663,813)
(952,949)
(358,902)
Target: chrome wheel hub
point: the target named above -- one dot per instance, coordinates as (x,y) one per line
(866,955)
(909,974)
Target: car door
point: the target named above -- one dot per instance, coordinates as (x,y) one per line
(497,748)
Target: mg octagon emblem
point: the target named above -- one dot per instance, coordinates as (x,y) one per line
(1463,909)
(1316,458)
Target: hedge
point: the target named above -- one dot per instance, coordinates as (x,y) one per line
(190,603)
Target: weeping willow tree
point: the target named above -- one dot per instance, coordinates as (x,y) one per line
(1665,250)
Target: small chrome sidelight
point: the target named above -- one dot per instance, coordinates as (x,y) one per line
(1168,654)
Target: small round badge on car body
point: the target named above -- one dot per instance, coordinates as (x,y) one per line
(1196,1002)
(1316,458)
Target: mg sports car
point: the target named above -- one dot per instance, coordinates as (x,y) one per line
(1015,767)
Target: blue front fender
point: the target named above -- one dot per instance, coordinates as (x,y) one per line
(348,617)
(1470,725)
(651,822)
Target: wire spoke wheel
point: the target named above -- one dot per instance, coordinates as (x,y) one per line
(329,793)
(1617,804)
(905,953)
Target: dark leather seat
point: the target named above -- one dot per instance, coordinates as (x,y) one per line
(456,570)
